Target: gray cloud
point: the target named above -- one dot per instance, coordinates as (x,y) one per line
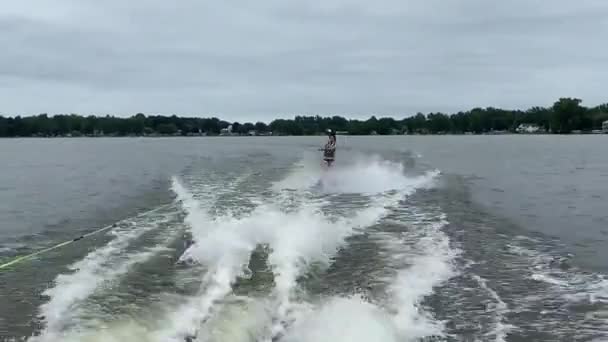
(257,60)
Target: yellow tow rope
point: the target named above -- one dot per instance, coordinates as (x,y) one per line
(65,243)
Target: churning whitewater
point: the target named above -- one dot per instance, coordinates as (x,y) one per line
(260,263)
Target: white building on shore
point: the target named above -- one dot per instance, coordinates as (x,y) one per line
(528,128)
(226,131)
(605,126)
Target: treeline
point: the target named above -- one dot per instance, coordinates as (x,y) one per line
(565,116)
(138,125)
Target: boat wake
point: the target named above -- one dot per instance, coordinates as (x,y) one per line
(296,233)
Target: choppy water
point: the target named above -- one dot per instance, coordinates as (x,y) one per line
(247,239)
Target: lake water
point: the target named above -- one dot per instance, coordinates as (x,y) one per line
(448,238)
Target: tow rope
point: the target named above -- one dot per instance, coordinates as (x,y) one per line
(65,243)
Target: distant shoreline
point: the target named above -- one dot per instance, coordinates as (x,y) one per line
(566,116)
(311,135)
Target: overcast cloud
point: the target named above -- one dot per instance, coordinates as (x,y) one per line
(257,60)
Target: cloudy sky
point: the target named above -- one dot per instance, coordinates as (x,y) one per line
(257,60)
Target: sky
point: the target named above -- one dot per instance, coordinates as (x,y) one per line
(264,59)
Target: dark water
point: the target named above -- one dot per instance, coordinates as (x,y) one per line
(508,243)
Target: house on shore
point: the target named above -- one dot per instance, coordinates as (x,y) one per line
(528,128)
(605,126)
(226,131)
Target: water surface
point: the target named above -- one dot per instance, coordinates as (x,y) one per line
(470,238)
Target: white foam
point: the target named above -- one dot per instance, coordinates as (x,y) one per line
(187,319)
(344,320)
(564,284)
(599,291)
(372,175)
(297,237)
(519,250)
(119,331)
(241,321)
(303,175)
(305,236)
(308,236)
(336,320)
(430,265)
(224,245)
(365,174)
(100,266)
(499,310)
(548,279)
(585,288)
(572,285)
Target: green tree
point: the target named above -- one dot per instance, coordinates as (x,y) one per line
(167,128)
(246,127)
(598,115)
(236,127)
(439,123)
(475,121)
(568,115)
(261,127)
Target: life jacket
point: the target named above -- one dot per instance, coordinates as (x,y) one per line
(329,150)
